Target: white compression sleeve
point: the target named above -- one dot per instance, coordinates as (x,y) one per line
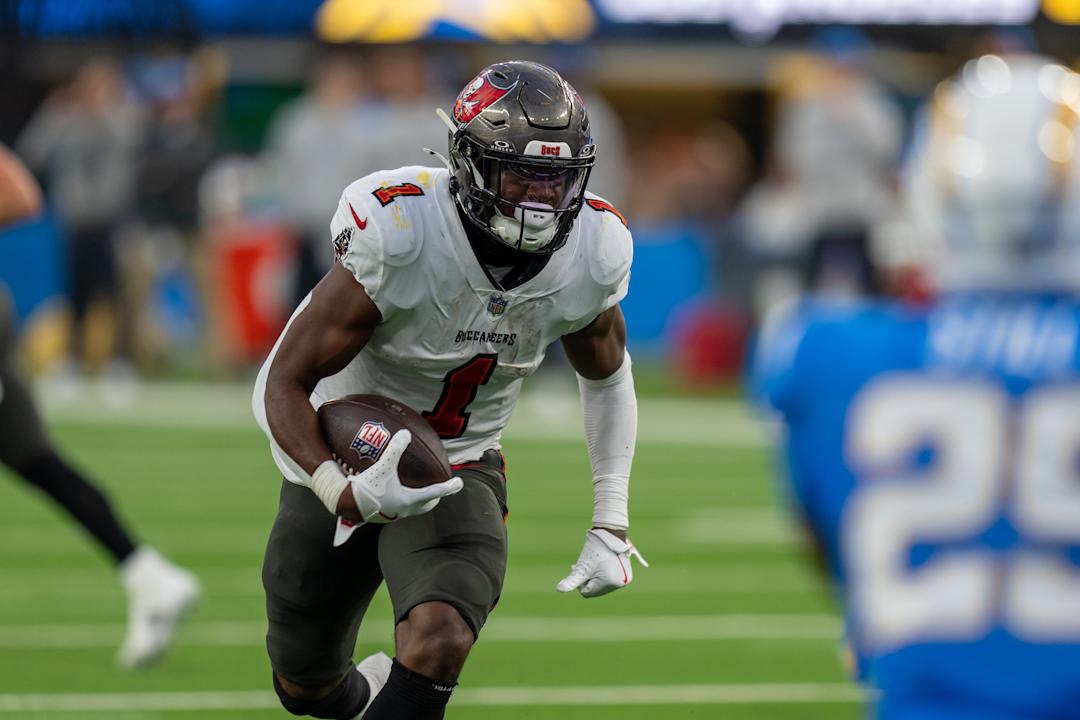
(610,409)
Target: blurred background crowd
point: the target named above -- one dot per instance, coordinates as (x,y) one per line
(190,182)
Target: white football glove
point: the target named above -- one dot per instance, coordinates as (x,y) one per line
(379,494)
(382,498)
(603,566)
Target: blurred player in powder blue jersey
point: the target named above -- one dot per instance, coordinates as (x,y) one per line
(935,453)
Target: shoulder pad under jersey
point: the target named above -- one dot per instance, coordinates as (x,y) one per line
(398,206)
(609,247)
(380,223)
(803,340)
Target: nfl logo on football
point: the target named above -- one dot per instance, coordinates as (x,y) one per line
(370,440)
(497,305)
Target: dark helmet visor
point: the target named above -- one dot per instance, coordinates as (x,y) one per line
(558,187)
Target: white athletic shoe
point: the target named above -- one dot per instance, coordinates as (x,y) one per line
(159,596)
(376,668)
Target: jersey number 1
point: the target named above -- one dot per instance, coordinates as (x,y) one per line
(459,390)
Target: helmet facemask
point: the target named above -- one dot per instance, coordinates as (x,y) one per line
(527,203)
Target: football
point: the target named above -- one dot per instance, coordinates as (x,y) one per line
(358,427)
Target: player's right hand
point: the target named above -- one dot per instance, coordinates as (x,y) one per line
(381,498)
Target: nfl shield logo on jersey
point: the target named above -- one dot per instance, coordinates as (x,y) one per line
(497,305)
(370,440)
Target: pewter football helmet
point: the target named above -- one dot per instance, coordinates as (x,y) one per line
(520,155)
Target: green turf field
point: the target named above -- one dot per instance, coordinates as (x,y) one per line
(727,623)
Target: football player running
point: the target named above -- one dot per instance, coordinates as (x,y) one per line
(449,286)
(159,593)
(935,452)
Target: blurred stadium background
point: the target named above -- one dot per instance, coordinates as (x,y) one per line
(192,152)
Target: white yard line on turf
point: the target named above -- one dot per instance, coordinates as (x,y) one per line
(763,529)
(540,415)
(603,695)
(737,526)
(631,628)
(715,578)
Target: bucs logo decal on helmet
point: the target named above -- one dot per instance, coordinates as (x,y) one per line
(477,96)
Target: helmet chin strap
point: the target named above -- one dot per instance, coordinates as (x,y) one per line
(442,158)
(441,114)
(450,124)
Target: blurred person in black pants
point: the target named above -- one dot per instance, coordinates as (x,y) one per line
(83,141)
(159,593)
(177,147)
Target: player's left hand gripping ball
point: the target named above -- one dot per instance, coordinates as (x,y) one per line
(603,566)
(381,497)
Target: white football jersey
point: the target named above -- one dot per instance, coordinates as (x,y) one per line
(451,345)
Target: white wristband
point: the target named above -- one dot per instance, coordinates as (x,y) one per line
(611,495)
(328,482)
